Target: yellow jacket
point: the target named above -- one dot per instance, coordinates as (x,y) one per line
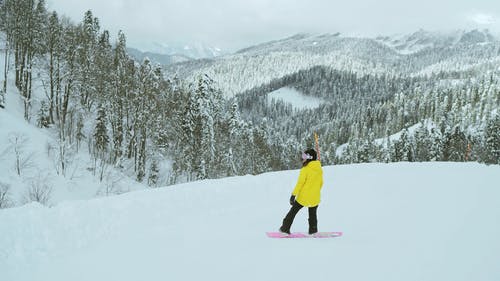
(307,190)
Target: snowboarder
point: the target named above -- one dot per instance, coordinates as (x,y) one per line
(306,193)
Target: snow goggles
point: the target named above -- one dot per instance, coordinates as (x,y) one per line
(306,156)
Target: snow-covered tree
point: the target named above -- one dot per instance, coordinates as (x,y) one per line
(492,135)
(154,172)
(101,138)
(455,145)
(43,120)
(54,44)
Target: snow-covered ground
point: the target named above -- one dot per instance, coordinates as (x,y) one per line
(297,99)
(402,221)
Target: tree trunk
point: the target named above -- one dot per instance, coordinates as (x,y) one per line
(17,65)
(58,91)
(52,88)
(65,102)
(5,68)
(27,89)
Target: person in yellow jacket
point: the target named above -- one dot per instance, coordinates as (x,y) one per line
(306,193)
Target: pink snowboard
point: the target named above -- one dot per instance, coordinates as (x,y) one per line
(304,235)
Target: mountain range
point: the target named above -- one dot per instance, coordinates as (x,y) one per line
(421,40)
(418,53)
(174,52)
(162,59)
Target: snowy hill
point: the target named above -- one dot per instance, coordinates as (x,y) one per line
(37,173)
(419,53)
(262,63)
(30,162)
(434,221)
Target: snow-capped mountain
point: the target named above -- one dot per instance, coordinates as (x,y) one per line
(194,50)
(419,53)
(417,41)
(422,39)
(157,58)
(262,63)
(476,37)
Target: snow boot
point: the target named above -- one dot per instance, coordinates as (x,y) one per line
(285,227)
(284,231)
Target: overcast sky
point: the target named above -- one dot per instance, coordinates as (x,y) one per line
(233,24)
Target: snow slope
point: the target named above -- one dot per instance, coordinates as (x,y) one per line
(402,221)
(295,98)
(38,149)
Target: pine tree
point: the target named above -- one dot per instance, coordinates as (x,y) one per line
(351,152)
(455,145)
(101,141)
(492,139)
(141,158)
(144,115)
(4,28)
(422,144)
(120,90)
(26,22)
(262,157)
(235,140)
(43,119)
(154,172)
(396,151)
(86,58)
(103,63)
(101,138)
(185,156)
(6,23)
(406,146)
(435,152)
(388,147)
(54,42)
(79,132)
(364,152)
(201,125)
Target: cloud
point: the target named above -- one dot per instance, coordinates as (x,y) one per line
(233,24)
(482,19)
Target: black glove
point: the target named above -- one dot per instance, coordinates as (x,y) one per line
(292,199)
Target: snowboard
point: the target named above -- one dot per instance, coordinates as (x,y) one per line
(304,235)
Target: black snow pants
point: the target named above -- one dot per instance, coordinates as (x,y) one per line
(288,220)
